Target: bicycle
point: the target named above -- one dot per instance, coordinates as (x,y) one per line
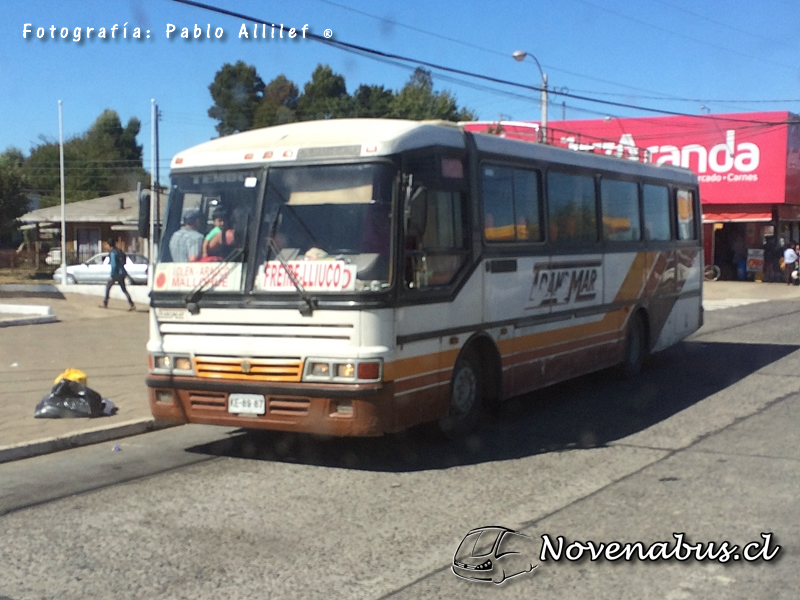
(711,272)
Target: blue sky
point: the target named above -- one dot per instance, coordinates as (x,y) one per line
(674,55)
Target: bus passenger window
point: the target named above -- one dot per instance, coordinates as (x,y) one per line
(511,205)
(685,211)
(571,208)
(656,212)
(528,206)
(620,203)
(498,204)
(442,248)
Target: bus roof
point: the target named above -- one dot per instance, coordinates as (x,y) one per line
(492,144)
(353,138)
(332,138)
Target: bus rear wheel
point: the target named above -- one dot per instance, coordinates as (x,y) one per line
(466,399)
(635,347)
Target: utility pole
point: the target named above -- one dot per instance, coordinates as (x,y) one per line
(63,198)
(157,191)
(151,248)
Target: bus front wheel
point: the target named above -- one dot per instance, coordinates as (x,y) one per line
(465,399)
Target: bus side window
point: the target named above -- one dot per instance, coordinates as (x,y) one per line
(620,205)
(437,255)
(685,211)
(498,204)
(511,205)
(571,208)
(655,203)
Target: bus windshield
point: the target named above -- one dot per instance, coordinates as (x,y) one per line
(205,235)
(209,215)
(331,225)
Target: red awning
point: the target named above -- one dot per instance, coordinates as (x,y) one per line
(740,215)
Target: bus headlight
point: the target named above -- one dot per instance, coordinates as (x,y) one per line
(182,363)
(339,370)
(320,369)
(169,363)
(346,370)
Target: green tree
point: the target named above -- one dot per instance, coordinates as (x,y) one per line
(324,97)
(418,101)
(103,161)
(237,91)
(372,101)
(13,202)
(278,104)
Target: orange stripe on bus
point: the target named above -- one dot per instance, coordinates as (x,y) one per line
(538,352)
(422,380)
(419,365)
(631,287)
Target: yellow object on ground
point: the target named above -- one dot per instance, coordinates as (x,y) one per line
(73,375)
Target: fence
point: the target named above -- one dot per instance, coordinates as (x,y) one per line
(40,259)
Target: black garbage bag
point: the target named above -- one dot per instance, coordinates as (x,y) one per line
(69,400)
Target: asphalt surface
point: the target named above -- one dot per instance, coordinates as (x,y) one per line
(107,344)
(703,443)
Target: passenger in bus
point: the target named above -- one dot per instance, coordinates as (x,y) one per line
(186,244)
(218,218)
(219,242)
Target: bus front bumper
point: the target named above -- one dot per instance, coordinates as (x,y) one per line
(338,410)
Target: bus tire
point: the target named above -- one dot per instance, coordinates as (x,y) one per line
(466,399)
(636,347)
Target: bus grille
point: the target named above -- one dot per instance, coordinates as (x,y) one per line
(254,369)
(208,401)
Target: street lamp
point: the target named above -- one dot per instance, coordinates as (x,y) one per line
(519,56)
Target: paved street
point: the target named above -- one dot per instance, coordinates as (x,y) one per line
(703,443)
(108,345)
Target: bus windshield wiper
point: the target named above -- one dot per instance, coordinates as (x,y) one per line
(310,303)
(192,298)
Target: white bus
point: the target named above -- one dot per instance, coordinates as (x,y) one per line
(373,274)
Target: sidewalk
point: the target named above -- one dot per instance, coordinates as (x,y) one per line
(109,346)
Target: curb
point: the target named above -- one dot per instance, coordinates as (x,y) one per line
(84,438)
(28,320)
(23,314)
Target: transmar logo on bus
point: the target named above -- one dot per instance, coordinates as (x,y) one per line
(564,283)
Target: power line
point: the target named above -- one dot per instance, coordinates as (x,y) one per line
(388,56)
(681,35)
(720,23)
(661,96)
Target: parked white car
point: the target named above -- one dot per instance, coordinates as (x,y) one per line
(98,269)
(53,257)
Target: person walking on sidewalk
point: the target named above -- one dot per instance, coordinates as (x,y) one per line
(118,273)
(789,258)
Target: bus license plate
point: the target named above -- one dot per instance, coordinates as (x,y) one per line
(247,404)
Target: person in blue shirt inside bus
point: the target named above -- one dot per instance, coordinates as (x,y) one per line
(118,274)
(186,244)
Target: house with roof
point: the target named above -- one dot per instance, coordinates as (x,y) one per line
(89,223)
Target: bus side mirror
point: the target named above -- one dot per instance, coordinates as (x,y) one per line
(144,216)
(417,213)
